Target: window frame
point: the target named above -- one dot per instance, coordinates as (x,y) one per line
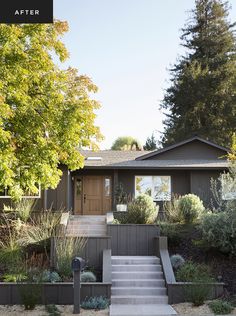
(24,196)
(152,186)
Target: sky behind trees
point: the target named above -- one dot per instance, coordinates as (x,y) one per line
(126,47)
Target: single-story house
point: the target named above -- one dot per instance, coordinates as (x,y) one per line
(185,167)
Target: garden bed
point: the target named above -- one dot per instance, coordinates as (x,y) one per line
(185,241)
(66,310)
(60,293)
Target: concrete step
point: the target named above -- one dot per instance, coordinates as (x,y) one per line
(102,229)
(137,275)
(142,310)
(138,283)
(139,299)
(134,260)
(138,291)
(136,267)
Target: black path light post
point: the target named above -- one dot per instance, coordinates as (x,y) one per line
(77,266)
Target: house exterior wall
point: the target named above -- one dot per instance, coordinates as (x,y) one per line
(200,184)
(180,180)
(193,150)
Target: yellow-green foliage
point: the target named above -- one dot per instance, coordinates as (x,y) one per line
(45,113)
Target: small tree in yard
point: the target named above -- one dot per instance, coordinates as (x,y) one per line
(46,113)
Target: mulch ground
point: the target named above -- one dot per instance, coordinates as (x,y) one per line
(222,265)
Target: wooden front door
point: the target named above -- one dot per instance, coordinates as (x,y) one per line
(93,195)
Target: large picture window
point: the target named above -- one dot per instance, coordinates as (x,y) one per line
(158,187)
(228,186)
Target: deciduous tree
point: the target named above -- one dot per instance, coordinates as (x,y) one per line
(46,113)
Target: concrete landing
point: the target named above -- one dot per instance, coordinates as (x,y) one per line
(142,310)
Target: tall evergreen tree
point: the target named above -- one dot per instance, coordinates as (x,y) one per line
(202,96)
(151,143)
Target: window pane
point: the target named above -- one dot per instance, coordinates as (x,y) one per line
(78,187)
(143,185)
(107,186)
(161,188)
(228,187)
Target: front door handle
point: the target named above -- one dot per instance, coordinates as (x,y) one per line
(84,198)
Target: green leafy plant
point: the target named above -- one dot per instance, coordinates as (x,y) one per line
(88,276)
(141,210)
(14,277)
(10,250)
(21,209)
(121,196)
(31,290)
(50,276)
(171,210)
(97,302)
(199,274)
(191,272)
(219,230)
(190,208)
(177,261)
(221,307)
(52,310)
(172,232)
(66,248)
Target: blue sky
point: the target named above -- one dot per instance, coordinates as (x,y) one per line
(126,47)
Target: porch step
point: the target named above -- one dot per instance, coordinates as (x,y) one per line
(138,283)
(87,226)
(137,275)
(144,291)
(127,260)
(142,310)
(138,287)
(139,299)
(137,267)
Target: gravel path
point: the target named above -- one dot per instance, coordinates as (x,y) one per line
(66,310)
(188,309)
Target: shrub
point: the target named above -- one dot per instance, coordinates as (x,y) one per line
(14,277)
(200,275)
(192,272)
(50,276)
(88,276)
(190,207)
(171,210)
(219,231)
(52,310)
(97,302)
(10,250)
(66,248)
(20,210)
(42,227)
(221,307)
(172,231)
(177,261)
(142,210)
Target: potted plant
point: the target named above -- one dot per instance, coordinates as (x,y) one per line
(121,198)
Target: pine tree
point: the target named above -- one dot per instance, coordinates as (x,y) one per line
(151,143)
(202,96)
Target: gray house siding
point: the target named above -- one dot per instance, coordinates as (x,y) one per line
(61,197)
(200,184)
(193,150)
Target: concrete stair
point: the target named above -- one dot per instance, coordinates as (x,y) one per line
(138,287)
(86,226)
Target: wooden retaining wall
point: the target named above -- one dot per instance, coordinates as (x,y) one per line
(53,293)
(132,239)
